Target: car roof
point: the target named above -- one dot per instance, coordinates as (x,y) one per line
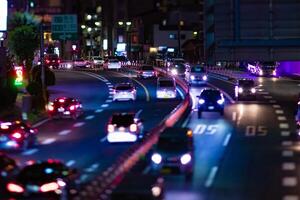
(124,84)
(210,89)
(174,132)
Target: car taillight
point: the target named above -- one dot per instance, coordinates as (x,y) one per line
(110,128)
(47,61)
(133,128)
(50,107)
(49,187)
(58,61)
(12,187)
(72,108)
(16,135)
(61,100)
(132,91)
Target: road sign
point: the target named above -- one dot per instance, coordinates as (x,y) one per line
(64,27)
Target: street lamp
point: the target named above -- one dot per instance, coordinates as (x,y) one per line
(89,17)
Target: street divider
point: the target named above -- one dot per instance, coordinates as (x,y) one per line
(101,187)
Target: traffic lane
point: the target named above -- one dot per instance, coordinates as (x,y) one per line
(252,165)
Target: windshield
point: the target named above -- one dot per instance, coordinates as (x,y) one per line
(123,120)
(166,83)
(124,87)
(172,144)
(197,69)
(145,67)
(113,61)
(246,83)
(97,58)
(211,94)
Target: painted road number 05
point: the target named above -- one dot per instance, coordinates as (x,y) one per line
(256,131)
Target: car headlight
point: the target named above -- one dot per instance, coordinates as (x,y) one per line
(261,73)
(156,191)
(174,71)
(185,159)
(220,101)
(192,77)
(253,90)
(156,158)
(204,78)
(201,101)
(240,90)
(274,73)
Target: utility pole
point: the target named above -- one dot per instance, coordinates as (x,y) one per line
(42,62)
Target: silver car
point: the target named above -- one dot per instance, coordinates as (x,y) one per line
(124,92)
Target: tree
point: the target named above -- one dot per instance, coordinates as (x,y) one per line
(24,18)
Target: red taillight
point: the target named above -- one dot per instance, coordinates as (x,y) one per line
(133,128)
(50,107)
(110,128)
(47,61)
(16,135)
(72,108)
(61,100)
(58,61)
(49,187)
(12,187)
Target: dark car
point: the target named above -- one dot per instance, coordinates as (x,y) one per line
(147,71)
(65,107)
(245,89)
(298,118)
(8,170)
(139,187)
(210,100)
(177,70)
(196,75)
(52,61)
(44,180)
(17,135)
(174,152)
(124,127)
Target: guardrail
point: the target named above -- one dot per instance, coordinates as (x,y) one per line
(101,187)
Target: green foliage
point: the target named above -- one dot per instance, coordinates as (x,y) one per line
(21,19)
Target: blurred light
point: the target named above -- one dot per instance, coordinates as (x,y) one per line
(195,33)
(49,187)
(201,101)
(3,15)
(48,170)
(240,90)
(181,23)
(220,101)
(97,23)
(153,50)
(89,29)
(164,22)
(156,158)
(192,77)
(253,90)
(89,17)
(12,187)
(99,9)
(16,135)
(156,191)
(185,159)
(120,23)
(174,72)
(105,44)
(128,23)
(74,47)
(204,78)
(83,26)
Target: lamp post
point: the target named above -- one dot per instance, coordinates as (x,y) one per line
(128,39)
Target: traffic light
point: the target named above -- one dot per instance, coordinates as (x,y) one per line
(19,75)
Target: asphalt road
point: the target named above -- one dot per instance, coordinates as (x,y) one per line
(251,153)
(82,143)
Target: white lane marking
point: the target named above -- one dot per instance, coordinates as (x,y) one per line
(90,117)
(234,115)
(227,139)
(288,166)
(287,153)
(180,93)
(104,105)
(83,177)
(40,123)
(111,92)
(289,181)
(92,168)
(64,132)
(78,124)
(103,139)
(48,141)
(281,118)
(110,89)
(196,130)
(210,179)
(110,97)
(286,143)
(139,112)
(279,111)
(283,126)
(110,86)
(276,106)
(108,101)
(273,101)
(29,152)
(268,97)
(98,110)
(285,133)
(260,90)
(290,197)
(70,163)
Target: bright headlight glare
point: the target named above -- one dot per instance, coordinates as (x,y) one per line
(156,158)
(156,191)
(220,101)
(261,73)
(201,101)
(174,71)
(192,77)
(253,90)
(185,159)
(240,90)
(204,78)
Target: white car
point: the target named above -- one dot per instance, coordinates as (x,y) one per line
(97,61)
(124,92)
(166,88)
(124,127)
(81,63)
(112,64)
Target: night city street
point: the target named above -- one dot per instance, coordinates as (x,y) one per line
(149,100)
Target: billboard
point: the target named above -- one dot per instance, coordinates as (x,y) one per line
(3,15)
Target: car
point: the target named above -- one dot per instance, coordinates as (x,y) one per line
(139,186)
(210,100)
(49,179)
(147,71)
(196,75)
(8,170)
(166,88)
(174,152)
(297,117)
(266,68)
(124,60)
(124,127)
(80,63)
(245,89)
(65,107)
(177,70)
(17,135)
(97,61)
(124,91)
(112,64)
(52,61)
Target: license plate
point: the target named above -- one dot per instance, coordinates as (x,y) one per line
(3,138)
(121,129)
(67,113)
(211,107)
(61,109)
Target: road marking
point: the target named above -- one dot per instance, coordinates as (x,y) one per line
(286,143)
(279,111)
(139,112)
(285,133)
(281,118)
(104,105)
(273,101)
(289,181)
(78,124)
(108,101)
(111,92)
(260,90)
(103,139)
(70,163)
(48,141)
(287,153)
(209,181)
(92,168)
(288,166)
(110,89)
(227,139)
(64,132)
(234,115)
(180,93)
(98,111)
(90,117)
(276,106)
(147,170)
(110,86)
(83,177)
(30,152)
(290,197)
(40,123)
(283,125)
(268,97)
(110,97)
